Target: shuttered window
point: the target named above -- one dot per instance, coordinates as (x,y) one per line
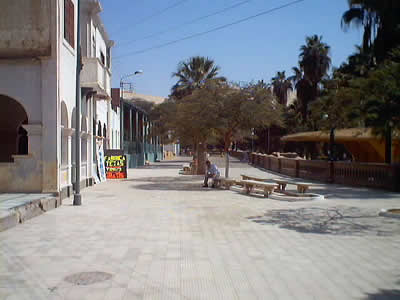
(69,22)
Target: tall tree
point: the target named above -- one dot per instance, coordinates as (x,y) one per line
(192,74)
(380,20)
(281,86)
(314,62)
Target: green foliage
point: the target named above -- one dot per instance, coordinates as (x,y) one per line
(281,85)
(381,95)
(218,111)
(192,74)
(380,20)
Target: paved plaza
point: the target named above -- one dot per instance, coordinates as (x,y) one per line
(160,235)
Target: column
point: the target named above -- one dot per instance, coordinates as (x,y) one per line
(130,125)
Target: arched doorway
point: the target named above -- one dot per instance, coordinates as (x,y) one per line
(13,137)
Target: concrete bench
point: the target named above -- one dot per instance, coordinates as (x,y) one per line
(247,177)
(281,183)
(249,185)
(225,182)
(186,169)
(302,187)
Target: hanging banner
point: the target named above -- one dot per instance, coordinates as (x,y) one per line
(100,161)
(115,163)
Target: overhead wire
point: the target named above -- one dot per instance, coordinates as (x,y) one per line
(185,23)
(157,13)
(210,30)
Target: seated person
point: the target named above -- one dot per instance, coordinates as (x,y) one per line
(211,172)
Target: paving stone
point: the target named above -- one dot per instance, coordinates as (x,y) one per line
(162,236)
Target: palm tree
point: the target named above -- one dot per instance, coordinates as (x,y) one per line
(380,20)
(281,85)
(314,64)
(192,74)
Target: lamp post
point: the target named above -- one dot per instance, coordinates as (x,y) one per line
(331,138)
(252,140)
(388,142)
(77,195)
(121,119)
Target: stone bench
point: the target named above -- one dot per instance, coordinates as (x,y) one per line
(249,186)
(247,177)
(225,182)
(302,187)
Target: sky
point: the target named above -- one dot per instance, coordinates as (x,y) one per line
(250,51)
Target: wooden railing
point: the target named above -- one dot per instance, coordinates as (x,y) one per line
(315,169)
(349,173)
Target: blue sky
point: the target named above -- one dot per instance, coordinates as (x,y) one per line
(252,50)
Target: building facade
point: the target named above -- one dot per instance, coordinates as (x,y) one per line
(38,56)
(141,142)
(37,84)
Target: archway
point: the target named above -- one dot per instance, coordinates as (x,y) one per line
(13,137)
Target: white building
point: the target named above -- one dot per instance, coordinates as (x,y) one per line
(37,93)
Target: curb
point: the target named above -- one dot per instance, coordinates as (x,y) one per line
(24,212)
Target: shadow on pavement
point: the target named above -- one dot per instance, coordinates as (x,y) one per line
(384,295)
(165,183)
(167,179)
(337,221)
(345,192)
(189,187)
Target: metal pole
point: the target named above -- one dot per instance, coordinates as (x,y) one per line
(77,196)
(331,143)
(121,116)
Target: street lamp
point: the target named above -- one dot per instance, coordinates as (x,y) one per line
(121,86)
(252,140)
(77,195)
(331,138)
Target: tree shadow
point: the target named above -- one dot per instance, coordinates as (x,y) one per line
(159,166)
(336,221)
(166,179)
(384,295)
(166,183)
(171,186)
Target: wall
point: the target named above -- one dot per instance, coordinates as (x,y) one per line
(34,83)
(25,28)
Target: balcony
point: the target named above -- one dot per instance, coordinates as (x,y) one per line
(25,28)
(96,76)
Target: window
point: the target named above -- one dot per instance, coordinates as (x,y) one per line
(69,22)
(94,47)
(108,57)
(102,58)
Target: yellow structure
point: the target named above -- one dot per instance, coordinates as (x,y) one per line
(361,142)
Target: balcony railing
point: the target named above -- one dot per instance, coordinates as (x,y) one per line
(95,75)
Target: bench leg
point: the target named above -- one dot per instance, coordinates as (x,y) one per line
(247,189)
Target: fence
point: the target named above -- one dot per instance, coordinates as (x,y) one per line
(373,175)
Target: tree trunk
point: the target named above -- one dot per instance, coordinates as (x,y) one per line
(201,159)
(226,146)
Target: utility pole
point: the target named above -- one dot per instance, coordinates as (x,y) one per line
(77,195)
